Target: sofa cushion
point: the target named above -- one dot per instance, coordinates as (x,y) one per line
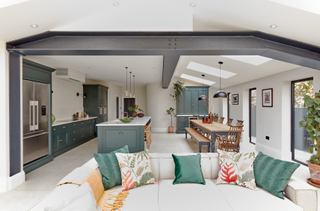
(188,169)
(109,167)
(236,168)
(272,174)
(244,199)
(184,197)
(167,165)
(214,162)
(144,198)
(135,169)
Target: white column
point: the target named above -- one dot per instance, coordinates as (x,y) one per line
(4,119)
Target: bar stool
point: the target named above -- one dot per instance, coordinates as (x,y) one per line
(147,132)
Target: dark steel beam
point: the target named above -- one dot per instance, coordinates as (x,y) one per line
(169,44)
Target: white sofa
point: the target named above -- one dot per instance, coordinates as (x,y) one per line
(164,196)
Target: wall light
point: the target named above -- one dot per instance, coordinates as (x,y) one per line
(84,95)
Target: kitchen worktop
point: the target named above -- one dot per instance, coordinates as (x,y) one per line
(136,122)
(62,122)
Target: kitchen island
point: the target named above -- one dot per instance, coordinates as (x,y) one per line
(115,134)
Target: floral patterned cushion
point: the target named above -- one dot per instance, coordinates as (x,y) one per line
(236,168)
(135,169)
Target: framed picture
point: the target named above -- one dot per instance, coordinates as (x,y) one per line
(235,99)
(267,97)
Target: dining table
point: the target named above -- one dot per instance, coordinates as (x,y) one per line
(211,129)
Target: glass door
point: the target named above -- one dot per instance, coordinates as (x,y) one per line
(300,138)
(252,115)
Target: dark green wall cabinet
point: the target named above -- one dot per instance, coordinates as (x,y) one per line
(71,135)
(189,103)
(96,103)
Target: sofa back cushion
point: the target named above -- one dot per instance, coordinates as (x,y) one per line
(214,161)
(167,166)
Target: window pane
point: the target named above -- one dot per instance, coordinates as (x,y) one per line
(253,116)
(302,139)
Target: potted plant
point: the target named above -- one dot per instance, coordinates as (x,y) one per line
(312,124)
(134,110)
(178,89)
(170,112)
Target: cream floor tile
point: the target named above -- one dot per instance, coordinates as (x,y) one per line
(167,136)
(20,200)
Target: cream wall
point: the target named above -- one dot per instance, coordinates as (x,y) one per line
(159,100)
(274,122)
(65,102)
(113,91)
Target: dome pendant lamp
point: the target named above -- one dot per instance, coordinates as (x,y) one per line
(202,97)
(220,93)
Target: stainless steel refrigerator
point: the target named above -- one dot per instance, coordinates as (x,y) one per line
(35,120)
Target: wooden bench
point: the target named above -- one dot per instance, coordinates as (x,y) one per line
(198,137)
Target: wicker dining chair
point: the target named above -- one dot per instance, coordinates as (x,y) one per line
(229,122)
(147,132)
(221,120)
(239,122)
(231,142)
(215,119)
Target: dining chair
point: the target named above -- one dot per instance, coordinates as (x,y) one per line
(229,122)
(239,122)
(231,142)
(215,119)
(147,132)
(221,120)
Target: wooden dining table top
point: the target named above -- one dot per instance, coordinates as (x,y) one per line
(212,127)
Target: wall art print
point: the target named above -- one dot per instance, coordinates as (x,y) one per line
(235,99)
(267,97)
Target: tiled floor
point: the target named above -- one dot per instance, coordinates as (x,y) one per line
(40,182)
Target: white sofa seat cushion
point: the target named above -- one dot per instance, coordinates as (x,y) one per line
(191,197)
(142,198)
(244,199)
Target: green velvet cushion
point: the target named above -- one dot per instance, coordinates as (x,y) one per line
(188,169)
(109,167)
(272,174)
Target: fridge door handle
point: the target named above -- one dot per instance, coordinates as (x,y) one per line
(31,115)
(38,134)
(36,113)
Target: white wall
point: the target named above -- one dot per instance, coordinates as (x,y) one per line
(113,91)
(274,122)
(159,100)
(65,102)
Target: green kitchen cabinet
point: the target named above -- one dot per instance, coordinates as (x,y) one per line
(96,102)
(189,103)
(183,121)
(70,135)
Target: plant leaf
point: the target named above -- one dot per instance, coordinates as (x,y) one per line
(303,123)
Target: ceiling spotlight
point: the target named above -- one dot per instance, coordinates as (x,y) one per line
(34,25)
(192,5)
(273,26)
(115,4)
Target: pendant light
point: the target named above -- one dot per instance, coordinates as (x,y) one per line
(202,97)
(126,92)
(220,93)
(134,86)
(130,85)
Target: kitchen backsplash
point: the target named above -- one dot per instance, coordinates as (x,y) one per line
(65,113)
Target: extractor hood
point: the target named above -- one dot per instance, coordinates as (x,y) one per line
(71,75)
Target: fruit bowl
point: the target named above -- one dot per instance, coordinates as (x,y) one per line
(140,115)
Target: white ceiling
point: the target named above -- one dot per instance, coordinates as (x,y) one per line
(159,15)
(147,69)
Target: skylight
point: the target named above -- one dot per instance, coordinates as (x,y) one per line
(196,79)
(209,70)
(254,60)
(6,3)
(306,5)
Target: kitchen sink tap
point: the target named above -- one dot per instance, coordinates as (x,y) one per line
(125,113)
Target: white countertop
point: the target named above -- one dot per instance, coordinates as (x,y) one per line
(192,115)
(136,122)
(62,122)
